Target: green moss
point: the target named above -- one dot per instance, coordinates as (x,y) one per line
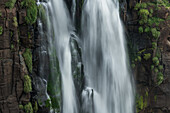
(54,84)
(155,33)
(155,59)
(1,30)
(140,5)
(157,63)
(28,108)
(42,13)
(0,14)
(21,106)
(140,29)
(35,107)
(143,5)
(15,21)
(139,103)
(28,59)
(29,35)
(155,98)
(143,13)
(154,45)
(48,103)
(156,70)
(164,3)
(152,67)
(31,11)
(10,4)
(147,56)
(154,21)
(160,78)
(139,59)
(160,67)
(147,29)
(12,46)
(151,4)
(137,6)
(27,84)
(151,10)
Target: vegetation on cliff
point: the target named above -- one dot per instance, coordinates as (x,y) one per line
(31,7)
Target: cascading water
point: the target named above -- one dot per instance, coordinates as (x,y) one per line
(61,24)
(108,83)
(109,88)
(58,30)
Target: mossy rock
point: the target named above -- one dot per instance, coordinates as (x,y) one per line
(35,107)
(21,106)
(28,108)
(10,4)
(27,84)
(28,59)
(31,11)
(15,23)
(1,30)
(147,56)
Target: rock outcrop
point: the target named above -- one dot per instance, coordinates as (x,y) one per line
(152,79)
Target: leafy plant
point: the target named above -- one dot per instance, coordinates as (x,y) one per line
(10,4)
(31,11)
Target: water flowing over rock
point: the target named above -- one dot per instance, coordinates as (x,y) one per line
(104,57)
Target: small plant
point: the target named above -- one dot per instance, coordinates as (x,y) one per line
(31,11)
(160,78)
(1,30)
(35,107)
(140,29)
(27,84)
(143,13)
(10,4)
(151,10)
(160,67)
(139,102)
(21,106)
(154,45)
(139,59)
(28,108)
(156,70)
(28,59)
(147,29)
(147,56)
(152,67)
(15,22)
(155,33)
(155,61)
(143,5)
(137,6)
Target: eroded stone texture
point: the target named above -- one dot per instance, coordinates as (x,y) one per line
(12,64)
(158,99)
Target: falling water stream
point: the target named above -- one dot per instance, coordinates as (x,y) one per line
(108,86)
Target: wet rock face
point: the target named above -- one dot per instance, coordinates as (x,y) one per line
(13,42)
(156,97)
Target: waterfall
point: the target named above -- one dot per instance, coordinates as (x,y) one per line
(57,28)
(108,85)
(108,81)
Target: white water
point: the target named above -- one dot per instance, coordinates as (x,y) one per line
(104,59)
(109,88)
(58,28)
(61,24)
